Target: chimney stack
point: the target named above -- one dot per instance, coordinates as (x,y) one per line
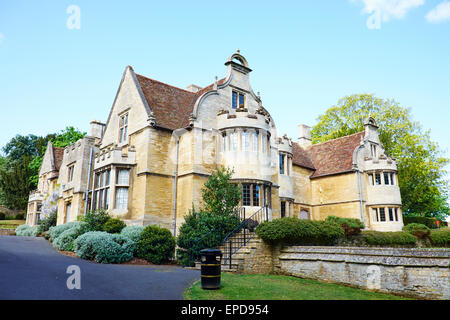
(304,135)
(193,88)
(97,129)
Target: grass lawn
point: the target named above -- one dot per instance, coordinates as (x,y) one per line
(10,224)
(275,287)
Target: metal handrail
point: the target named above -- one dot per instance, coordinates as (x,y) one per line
(246,237)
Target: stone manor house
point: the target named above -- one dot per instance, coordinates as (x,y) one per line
(147,164)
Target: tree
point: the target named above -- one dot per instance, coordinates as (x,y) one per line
(14,184)
(420,163)
(219,195)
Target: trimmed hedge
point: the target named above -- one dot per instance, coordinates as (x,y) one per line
(398,238)
(157,245)
(55,232)
(25,230)
(65,241)
(296,231)
(132,232)
(421,231)
(104,247)
(440,237)
(114,225)
(429,222)
(350,226)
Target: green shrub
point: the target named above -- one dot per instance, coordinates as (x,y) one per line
(132,232)
(350,226)
(428,221)
(48,222)
(114,225)
(440,237)
(2,216)
(388,239)
(104,247)
(202,230)
(157,245)
(296,231)
(421,231)
(65,241)
(25,230)
(19,216)
(96,219)
(55,231)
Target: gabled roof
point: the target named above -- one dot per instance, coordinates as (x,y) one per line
(170,105)
(330,157)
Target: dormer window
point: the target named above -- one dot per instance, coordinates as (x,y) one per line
(123,127)
(238,100)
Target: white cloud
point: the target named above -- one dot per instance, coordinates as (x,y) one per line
(388,9)
(440,13)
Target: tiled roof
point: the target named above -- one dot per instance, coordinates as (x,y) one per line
(170,105)
(301,157)
(330,157)
(58,154)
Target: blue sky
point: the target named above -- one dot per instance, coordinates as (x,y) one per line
(305,56)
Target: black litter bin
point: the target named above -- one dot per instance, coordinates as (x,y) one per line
(210,268)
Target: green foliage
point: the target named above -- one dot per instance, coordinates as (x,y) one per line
(202,230)
(219,195)
(388,239)
(420,162)
(25,230)
(296,231)
(421,231)
(440,237)
(104,247)
(19,216)
(349,225)
(157,245)
(96,219)
(132,232)
(67,137)
(55,232)
(114,225)
(65,241)
(429,222)
(14,183)
(48,222)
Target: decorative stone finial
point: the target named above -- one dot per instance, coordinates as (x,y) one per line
(238,51)
(215,82)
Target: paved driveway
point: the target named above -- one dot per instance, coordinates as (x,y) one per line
(30,268)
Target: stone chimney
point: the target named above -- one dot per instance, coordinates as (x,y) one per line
(193,88)
(97,129)
(304,135)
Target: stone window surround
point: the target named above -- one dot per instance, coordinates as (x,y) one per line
(70,171)
(239,94)
(287,165)
(289,203)
(396,213)
(226,142)
(392,176)
(123,127)
(101,189)
(265,192)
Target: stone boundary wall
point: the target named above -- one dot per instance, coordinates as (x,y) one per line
(412,272)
